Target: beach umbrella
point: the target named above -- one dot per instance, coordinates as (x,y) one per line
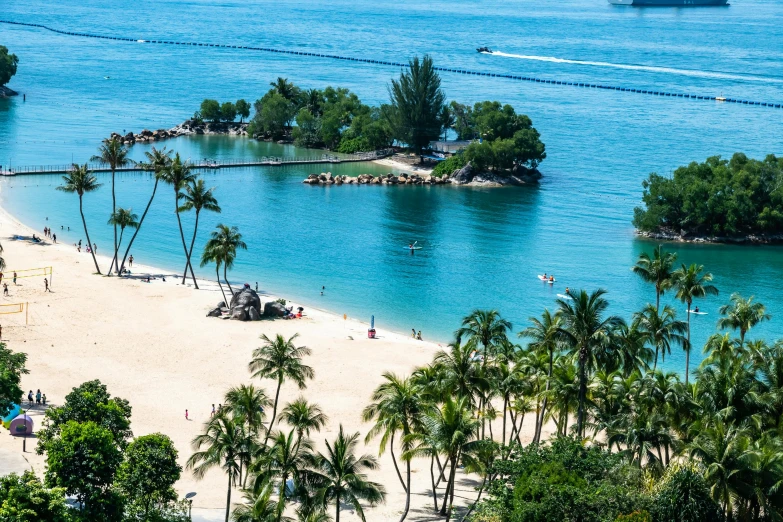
(372,323)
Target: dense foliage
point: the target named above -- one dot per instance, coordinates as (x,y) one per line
(25,499)
(449,165)
(723,198)
(12,367)
(214,111)
(8,63)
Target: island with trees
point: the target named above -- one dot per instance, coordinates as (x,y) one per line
(738,200)
(8,64)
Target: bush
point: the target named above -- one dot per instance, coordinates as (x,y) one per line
(351,145)
(449,165)
(682,495)
(636,516)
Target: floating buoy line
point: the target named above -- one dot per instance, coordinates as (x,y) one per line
(396,64)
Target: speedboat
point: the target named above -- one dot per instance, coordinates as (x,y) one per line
(484,50)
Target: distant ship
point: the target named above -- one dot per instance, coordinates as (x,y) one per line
(669,3)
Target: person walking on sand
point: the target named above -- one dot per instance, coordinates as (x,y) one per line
(43,398)
(46,285)
(186,415)
(418,336)
(54,238)
(130,260)
(213,411)
(38,397)
(14,277)
(30,398)
(5,288)
(94,248)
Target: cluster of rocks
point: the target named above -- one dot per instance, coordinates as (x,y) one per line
(383,179)
(187,128)
(464,176)
(667,234)
(246,306)
(6,91)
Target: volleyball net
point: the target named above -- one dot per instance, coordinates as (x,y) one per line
(16,308)
(45,271)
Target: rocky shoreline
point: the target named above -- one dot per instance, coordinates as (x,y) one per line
(5,92)
(465,176)
(754,239)
(186,128)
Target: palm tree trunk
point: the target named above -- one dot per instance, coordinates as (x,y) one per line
(688,344)
(407,490)
(114,259)
(432,477)
(281,499)
(582,393)
(217,274)
(505,413)
(113,210)
(228,497)
(396,467)
(190,252)
(127,250)
(445,503)
(473,506)
(84,222)
(184,245)
(337,508)
(537,437)
(655,364)
(274,411)
(225,276)
(451,496)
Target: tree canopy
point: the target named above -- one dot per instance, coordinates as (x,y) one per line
(12,367)
(724,198)
(8,63)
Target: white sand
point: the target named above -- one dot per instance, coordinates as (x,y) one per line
(390,162)
(151,343)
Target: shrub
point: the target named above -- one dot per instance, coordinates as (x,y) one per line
(682,495)
(449,165)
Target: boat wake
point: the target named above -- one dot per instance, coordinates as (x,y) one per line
(647,68)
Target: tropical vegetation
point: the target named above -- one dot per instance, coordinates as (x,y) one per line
(8,64)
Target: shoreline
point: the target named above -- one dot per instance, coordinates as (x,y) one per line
(753,239)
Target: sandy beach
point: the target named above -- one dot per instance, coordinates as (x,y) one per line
(405,167)
(152,344)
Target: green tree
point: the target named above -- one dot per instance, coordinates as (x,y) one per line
(396,408)
(8,63)
(463,120)
(341,476)
(157,161)
(682,495)
(228,111)
(280,359)
(307,132)
(210,110)
(196,197)
(287,458)
(89,402)
(178,174)
(246,403)
(221,249)
(149,472)
(662,329)
(656,270)
(80,180)
(12,367)
(304,417)
(243,109)
(114,154)
(123,218)
(83,460)
(259,506)
(274,113)
(691,284)
(417,100)
(742,314)
(23,498)
(286,89)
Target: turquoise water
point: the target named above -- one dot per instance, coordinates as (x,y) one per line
(483,248)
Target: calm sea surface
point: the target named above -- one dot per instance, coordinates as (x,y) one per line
(482,248)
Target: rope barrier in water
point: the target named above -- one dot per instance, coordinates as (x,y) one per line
(396,64)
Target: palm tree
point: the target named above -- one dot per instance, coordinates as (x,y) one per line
(259,506)
(80,181)
(246,403)
(178,175)
(157,161)
(285,88)
(478,458)
(395,408)
(115,155)
(459,372)
(341,476)
(656,270)
(197,197)
(545,336)
(286,458)
(742,314)
(221,249)
(280,359)
(304,417)
(691,284)
(662,329)
(222,441)
(587,333)
(483,329)
(123,218)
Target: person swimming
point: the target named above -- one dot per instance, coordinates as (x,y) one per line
(568,292)
(696,309)
(552,278)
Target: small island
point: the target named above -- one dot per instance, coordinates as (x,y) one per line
(8,63)
(723,201)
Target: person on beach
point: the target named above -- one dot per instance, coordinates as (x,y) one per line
(256,284)
(14,277)
(38,397)
(186,415)
(418,336)
(130,261)
(46,285)
(413,333)
(213,411)
(43,399)
(94,248)
(5,288)
(54,238)
(80,244)
(30,398)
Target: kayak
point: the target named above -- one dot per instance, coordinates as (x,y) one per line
(413,248)
(542,278)
(566,297)
(697,313)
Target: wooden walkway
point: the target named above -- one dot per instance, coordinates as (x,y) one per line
(267,161)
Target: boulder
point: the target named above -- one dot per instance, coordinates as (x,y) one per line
(215,312)
(243,301)
(463,175)
(238,314)
(221,304)
(274,309)
(253,314)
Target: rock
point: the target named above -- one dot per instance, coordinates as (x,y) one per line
(253,314)
(274,309)
(312,176)
(463,175)
(221,304)
(215,312)
(242,302)
(238,314)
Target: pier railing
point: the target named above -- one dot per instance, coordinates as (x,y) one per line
(213,164)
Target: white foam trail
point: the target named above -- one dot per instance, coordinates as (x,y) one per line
(648,68)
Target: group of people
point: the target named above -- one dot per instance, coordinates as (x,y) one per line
(88,250)
(416,335)
(289,313)
(48,233)
(549,277)
(40,398)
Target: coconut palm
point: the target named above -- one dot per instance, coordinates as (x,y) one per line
(632,352)
(742,314)
(340,476)
(259,506)
(662,329)
(395,409)
(478,458)
(222,444)
(246,403)
(460,373)
(280,359)
(221,249)
(157,160)
(178,174)
(115,155)
(123,218)
(305,417)
(587,333)
(80,180)
(691,284)
(544,335)
(285,88)
(484,330)
(656,270)
(197,197)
